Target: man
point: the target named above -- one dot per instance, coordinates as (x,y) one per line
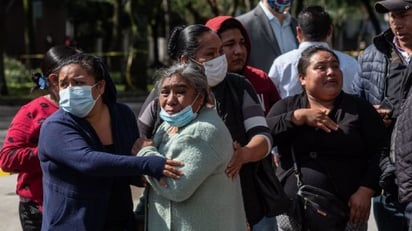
(272,31)
(381,82)
(237,47)
(314,28)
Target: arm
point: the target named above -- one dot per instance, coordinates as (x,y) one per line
(64,142)
(19,152)
(200,158)
(260,141)
(372,130)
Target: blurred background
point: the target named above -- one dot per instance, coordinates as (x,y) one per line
(131,35)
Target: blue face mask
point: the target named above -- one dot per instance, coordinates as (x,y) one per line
(77,100)
(280,5)
(181,118)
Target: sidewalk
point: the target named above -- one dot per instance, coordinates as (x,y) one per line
(9,215)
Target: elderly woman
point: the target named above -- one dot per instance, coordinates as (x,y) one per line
(85,153)
(204,198)
(335,136)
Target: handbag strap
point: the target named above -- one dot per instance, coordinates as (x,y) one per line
(296,170)
(298,174)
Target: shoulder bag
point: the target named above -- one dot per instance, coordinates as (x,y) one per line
(317,209)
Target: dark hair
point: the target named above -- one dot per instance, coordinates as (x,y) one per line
(53,57)
(315,23)
(192,72)
(304,60)
(185,40)
(96,67)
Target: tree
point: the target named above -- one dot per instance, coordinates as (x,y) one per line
(3,8)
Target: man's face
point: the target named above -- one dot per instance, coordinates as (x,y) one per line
(234,46)
(401,25)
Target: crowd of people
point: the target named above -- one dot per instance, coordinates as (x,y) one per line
(239,90)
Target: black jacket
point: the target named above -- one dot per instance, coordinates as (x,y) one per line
(339,161)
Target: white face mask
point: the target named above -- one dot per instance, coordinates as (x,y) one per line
(215,70)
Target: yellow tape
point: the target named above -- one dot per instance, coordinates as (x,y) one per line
(101,54)
(3,173)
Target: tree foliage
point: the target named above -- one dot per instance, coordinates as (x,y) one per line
(132,26)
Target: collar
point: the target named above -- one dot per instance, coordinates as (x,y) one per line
(306,44)
(401,51)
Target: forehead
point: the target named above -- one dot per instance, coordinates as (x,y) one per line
(322,56)
(231,33)
(74,71)
(175,80)
(209,41)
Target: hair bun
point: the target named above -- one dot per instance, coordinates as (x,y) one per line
(174,41)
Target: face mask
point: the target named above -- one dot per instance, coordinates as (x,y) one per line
(181,118)
(215,70)
(280,5)
(77,100)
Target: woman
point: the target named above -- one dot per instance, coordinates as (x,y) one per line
(19,153)
(84,152)
(204,198)
(236,103)
(335,136)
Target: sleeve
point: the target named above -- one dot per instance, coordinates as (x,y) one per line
(280,123)
(148,115)
(357,84)
(274,94)
(274,73)
(200,161)
(19,151)
(253,116)
(65,144)
(373,131)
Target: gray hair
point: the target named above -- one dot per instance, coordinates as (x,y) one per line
(191,72)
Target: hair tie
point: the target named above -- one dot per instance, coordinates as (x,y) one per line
(40,80)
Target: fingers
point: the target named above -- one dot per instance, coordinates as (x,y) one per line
(170,169)
(172,172)
(163,182)
(233,171)
(176,163)
(327,124)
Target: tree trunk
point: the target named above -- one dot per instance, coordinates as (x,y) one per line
(3,85)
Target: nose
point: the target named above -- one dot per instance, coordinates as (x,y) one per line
(171,98)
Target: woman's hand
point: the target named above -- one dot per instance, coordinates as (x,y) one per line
(385,114)
(235,164)
(141,143)
(314,117)
(360,205)
(171,171)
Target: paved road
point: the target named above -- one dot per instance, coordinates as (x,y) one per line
(9,220)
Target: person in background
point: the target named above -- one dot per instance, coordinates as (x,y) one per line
(204,198)
(19,153)
(85,152)
(380,81)
(237,47)
(400,154)
(314,28)
(272,32)
(330,132)
(236,103)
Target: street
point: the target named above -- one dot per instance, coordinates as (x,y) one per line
(9,218)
